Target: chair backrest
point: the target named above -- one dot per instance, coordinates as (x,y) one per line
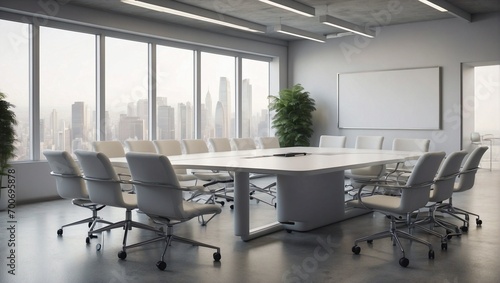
(140,146)
(420,181)
(242,144)
(156,185)
(102,182)
(267,142)
(446,176)
(69,182)
(369,142)
(191,146)
(219,144)
(332,141)
(421,145)
(168,147)
(109,148)
(467,175)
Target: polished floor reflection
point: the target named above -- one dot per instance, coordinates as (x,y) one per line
(321,255)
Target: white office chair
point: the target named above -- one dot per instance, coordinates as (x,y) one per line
(104,187)
(70,185)
(466,180)
(442,190)
(243,144)
(249,144)
(140,146)
(403,144)
(194,146)
(478,141)
(172,148)
(159,195)
(112,149)
(332,141)
(414,196)
(219,144)
(359,176)
(267,142)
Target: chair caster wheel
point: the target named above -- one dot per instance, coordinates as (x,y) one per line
(444,246)
(431,254)
(87,240)
(356,250)
(464,228)
(60,232)
(232,206)
(479,222)
(161,265)
(122,255)
(217,256)
(98,247)
(370,241)
(222,203)
(404,262)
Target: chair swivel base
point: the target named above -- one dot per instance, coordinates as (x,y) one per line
(395,235)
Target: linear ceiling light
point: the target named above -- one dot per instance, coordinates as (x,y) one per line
(444,6)
(292,6)
(299,33)
(192,12)
(341,24)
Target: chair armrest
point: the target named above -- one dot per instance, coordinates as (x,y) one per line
(188,189)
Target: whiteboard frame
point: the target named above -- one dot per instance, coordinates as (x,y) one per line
(435,96)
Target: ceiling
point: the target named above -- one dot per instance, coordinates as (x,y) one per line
(359,12)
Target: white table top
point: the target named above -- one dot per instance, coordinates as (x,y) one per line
(316,161)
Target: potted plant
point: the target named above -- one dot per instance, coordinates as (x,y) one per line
(7,148)
(293,116)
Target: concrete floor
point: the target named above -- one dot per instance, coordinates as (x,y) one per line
(321,255)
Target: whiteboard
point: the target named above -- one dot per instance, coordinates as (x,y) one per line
(390,99)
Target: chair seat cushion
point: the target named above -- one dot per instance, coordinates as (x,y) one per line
(379,202)
(193,209)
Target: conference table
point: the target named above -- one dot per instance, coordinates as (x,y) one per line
(310,182)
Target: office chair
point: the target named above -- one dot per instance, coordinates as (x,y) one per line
(194,146)
(249,144)
(402,144)
(242,144)
(218,144)
(267,142)
(113,149)
(171,148)
(159,195)
(332,141)
(104,187)
(359,176)
(70,185)
(478,140)
(140,146)
(414,196)
(441,190)
(466,179)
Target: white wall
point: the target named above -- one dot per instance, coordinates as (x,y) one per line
(446,43)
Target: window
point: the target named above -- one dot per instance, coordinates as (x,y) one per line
(174,93)
(217,95)
(254,98)
(67,90)
(68,82)
(14,79)
(126,90)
